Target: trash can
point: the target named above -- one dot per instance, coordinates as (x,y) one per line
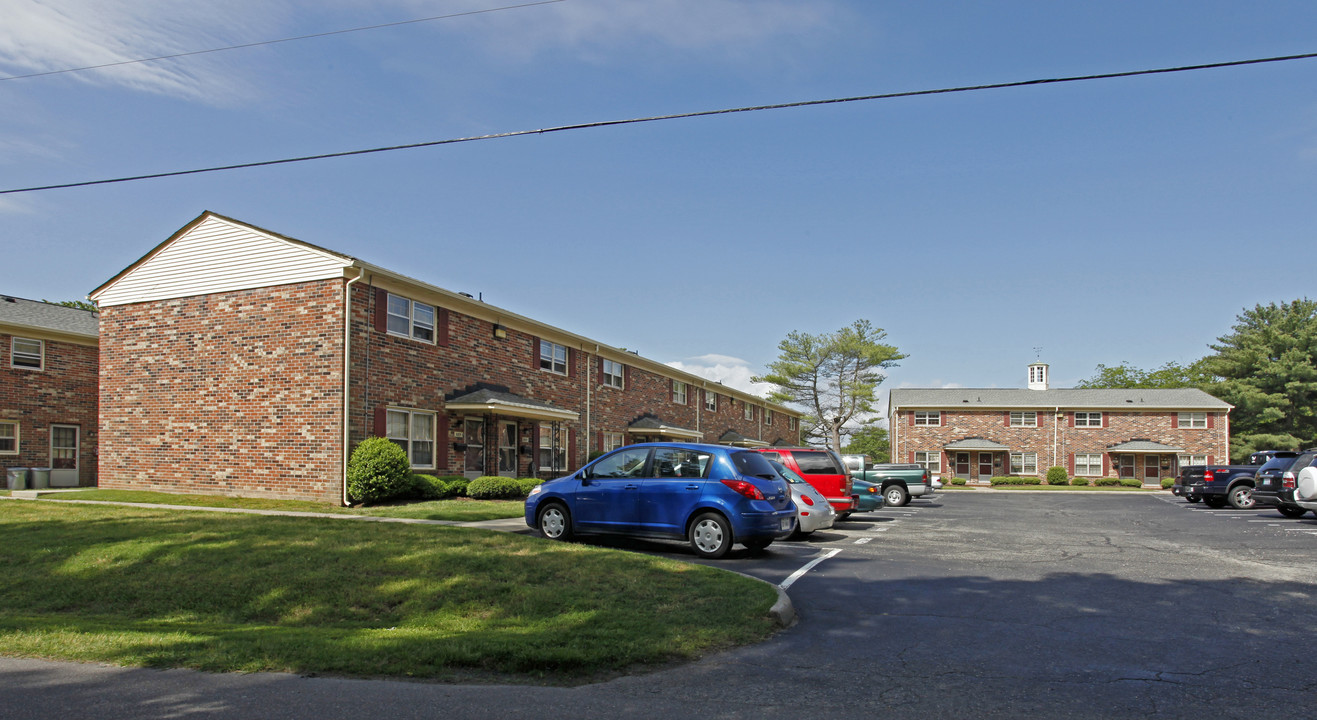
(40,478)
(17,478)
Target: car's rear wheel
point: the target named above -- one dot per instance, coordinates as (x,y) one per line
(1291,511)
(1193,498)
(710,535)
(757,545)
(895,496)
(555,522)
(1241,497)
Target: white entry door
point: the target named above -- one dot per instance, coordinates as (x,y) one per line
(63,455)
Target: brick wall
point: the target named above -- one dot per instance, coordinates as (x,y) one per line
(62,393)
(1058,434)
(236,393)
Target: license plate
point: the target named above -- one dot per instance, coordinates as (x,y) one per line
(784,524)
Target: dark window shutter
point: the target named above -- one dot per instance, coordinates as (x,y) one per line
(1211,460)
(601,371)
(1211,420)
(571,362)
(441,441)
(381,421)
(381,309)
(626,376)
(912,456)
(1071,417)
(441,332)
(1106,464)
(1104,419)
(1175,420)
(571,449)
(1070,464)
(535,352)
(600,440)
(1007,418)
(912,418)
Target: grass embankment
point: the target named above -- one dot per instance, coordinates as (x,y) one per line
(172,588)
(459,510)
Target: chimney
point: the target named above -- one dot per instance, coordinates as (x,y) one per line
(1038,376)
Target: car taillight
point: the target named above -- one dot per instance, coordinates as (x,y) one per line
(1288,481)
(807,500)
(1207,476)
(745,488)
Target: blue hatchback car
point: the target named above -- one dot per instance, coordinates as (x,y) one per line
(713,496)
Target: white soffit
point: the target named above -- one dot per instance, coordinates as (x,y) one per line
(218,256)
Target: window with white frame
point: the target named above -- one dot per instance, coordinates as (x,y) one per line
(612,374)
(710,401)
(553,454)
(553,357)
(932,461)
(1186,460)
(612,441)
(8,437)
(1024,419)
(928,418)
(1088,464)
(413,431)
(409,318)
(1088,419)
(1193,420)
(1024,463)
(792,422)
(679,392)
(748,411)
(768,416)
(28,354)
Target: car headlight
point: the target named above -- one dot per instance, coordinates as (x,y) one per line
(534,491)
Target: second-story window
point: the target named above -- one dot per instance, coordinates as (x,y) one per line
(411,319)
(679,392)
(553,357)
(1024,419)
(1088,419)
(710,401)
(1197,420)
(768,416)
(25,353)
(748,411)
(928,419)
(612,374)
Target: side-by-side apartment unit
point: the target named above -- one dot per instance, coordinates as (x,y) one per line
(978,434)
(238,361)
(48,390)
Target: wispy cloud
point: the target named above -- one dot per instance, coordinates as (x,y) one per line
(730,371)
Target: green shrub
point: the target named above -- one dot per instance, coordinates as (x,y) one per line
(1057,476)
(527,484)
(429,487)
(957,481)
(1080,481)
(378,470)
(1131,482)
(489,487)
(1167,483)
(456,484)
(1107,482)
(1017,481)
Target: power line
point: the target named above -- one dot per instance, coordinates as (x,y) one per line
(281,40)
(677,116)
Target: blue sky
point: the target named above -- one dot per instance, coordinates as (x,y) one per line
(1104,221)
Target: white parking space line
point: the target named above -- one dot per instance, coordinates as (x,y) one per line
(863,540)
(808,566)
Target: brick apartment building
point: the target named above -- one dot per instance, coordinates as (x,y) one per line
(48,360)
(238,361)
(978,434)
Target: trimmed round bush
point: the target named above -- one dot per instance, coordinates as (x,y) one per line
(489,487)
(527,484)
(1057,476)
(1131,482)
(456,484)
(378,470)
(957,481)
(1107,482)
(429,487)
(1168,483)
(1080,481)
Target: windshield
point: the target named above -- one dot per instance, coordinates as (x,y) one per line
(786,473)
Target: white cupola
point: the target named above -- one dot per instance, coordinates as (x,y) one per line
(1037,376)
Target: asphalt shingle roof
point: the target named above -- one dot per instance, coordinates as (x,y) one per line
(47,316)
(1108,399)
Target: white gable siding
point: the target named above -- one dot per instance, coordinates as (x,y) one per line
(218,256)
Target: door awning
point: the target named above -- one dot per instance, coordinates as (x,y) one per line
(1143,446)
(650,425)
(507,405)
(980,444)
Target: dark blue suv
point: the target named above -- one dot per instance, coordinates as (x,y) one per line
(710,495)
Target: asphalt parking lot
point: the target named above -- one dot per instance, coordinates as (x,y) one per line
(973,604)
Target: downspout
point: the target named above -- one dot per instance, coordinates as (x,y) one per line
(347,374)
(1056,437)
(589,396)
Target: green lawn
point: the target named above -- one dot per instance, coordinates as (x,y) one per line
(461,509)
(1053,488)
(175,588)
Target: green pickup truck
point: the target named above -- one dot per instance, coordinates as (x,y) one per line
(898,482)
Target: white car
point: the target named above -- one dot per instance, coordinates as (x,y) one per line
(813,511)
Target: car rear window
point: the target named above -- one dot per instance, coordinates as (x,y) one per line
(752,463)
(1303,461)
(816,463)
